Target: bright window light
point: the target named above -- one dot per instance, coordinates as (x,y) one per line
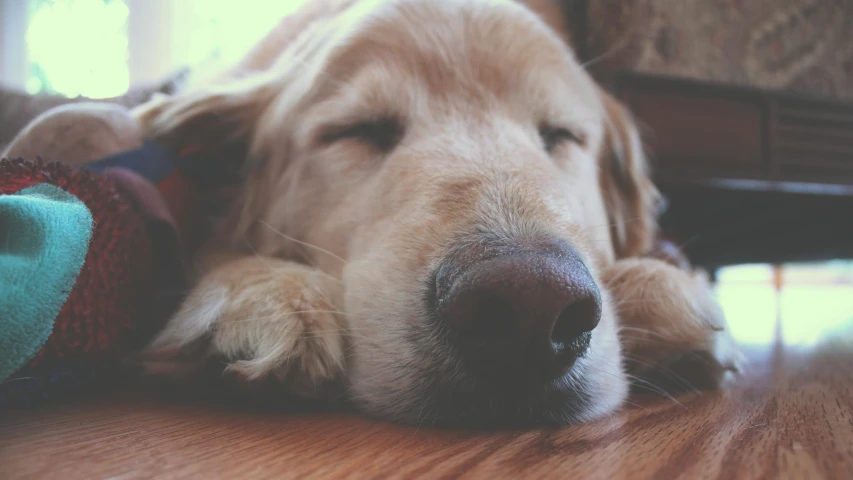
(227,29)
(82,47)
(78,47)
(814,299)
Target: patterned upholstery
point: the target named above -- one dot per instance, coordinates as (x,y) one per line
(799,45)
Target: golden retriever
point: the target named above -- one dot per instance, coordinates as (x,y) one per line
(443,217)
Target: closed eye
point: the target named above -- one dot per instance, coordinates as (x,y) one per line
(382,133)
(553,137)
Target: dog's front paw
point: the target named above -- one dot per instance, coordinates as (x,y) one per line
(672,330)
(266,318)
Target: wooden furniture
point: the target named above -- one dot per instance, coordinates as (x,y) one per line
(752,175)
(742,137)
(789,416)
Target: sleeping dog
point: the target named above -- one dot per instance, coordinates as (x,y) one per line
(441,214)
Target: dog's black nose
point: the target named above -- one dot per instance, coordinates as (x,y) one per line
(522,312)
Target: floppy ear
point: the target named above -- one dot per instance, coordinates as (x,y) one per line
(241,115)
(630,196)
(221,120)
(217,117)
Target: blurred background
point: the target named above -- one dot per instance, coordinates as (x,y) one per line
(765,277)
(99,48)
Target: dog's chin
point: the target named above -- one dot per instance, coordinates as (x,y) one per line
(472,405)
(576,397)
(457,400)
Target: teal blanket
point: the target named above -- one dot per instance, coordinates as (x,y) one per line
(44,237)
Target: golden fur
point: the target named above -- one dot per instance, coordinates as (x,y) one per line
(316,274)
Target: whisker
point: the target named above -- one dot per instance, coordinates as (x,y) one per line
(647,385)
(625,41)
(262,258)
(656,389)
(300,242)
(667,372)
(316,270)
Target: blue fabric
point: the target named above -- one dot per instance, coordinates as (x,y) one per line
(44,235)
(150,161)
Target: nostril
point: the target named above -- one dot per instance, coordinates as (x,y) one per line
(576,320)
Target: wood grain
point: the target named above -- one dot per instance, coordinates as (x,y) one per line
(789,416)
(709,132)
(698,132)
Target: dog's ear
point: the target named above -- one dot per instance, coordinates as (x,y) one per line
(243,116)
(220,117)
(221,120)
(631,199)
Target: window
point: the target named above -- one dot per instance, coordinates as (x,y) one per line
(77,47)
(99,48)
(801,302)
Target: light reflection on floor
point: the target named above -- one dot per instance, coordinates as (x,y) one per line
(815,301)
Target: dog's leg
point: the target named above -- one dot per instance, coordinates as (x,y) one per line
(672,330)
(266,318)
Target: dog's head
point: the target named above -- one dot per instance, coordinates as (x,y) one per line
(455,166)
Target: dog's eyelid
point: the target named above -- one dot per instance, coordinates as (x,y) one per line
(553,135)
(384,133)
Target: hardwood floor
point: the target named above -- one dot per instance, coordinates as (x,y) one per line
(789,416)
